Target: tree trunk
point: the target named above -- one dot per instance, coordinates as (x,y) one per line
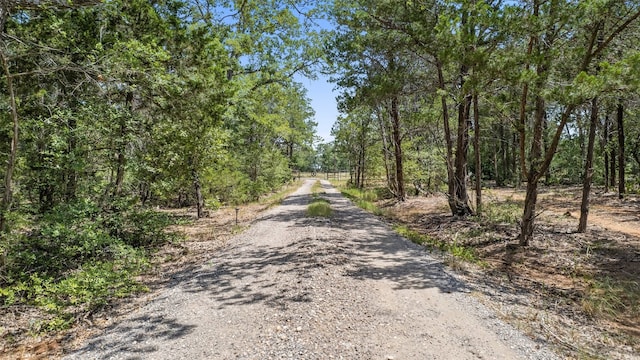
(198,193)
(588,167)
(545,143)
(461,196)
(362,153)
(531,198)
(514,161)
(397,150)
(7,197)
(361,165)
(612,159)
(476,149)
(588,164)
(502,164)
(621,154)
(290,152)
(605,147)
(496,170)
(385,150)
(581,136)
(461,199)
(529,215)
(448,140)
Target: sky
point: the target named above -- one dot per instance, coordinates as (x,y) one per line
(323,101)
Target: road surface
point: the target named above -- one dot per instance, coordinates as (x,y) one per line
(293,287)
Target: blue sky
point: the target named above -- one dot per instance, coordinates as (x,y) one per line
(323,101)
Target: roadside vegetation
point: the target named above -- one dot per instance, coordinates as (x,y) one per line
(117,116)
(505,132)
(80,265)
(365,199)
(77,258)
(572,278)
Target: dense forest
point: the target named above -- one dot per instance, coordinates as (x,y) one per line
(489,92)
(113,109)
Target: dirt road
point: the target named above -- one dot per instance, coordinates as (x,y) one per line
(293,287)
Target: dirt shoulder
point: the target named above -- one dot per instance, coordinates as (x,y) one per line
(579,291)
(314,288)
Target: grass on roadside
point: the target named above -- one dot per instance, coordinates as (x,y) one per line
(456,250)
(364,199)
(277,197)
(611,298)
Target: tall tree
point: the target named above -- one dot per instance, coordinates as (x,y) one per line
(552,17)
(621,151)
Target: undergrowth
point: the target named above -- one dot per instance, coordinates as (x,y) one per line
(508,212)
(78,257)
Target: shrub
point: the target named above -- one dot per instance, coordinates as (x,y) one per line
(508,212)
(79,256)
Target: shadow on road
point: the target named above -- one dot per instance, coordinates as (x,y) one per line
(130,338)
(352,237)
(366,247)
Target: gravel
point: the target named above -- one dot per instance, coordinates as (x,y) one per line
(293,287)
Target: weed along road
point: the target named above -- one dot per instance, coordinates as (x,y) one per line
(295,286)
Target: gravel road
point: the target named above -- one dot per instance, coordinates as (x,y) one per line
(293,287)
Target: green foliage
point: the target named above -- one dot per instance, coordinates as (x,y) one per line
(91,286)
(507,212)
(364,199)
(458,251)
(72,234)
(79,256)
(319,208)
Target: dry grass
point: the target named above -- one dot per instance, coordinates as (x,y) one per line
(578,290)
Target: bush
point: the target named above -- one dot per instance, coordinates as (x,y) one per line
(139,227)
(62,239)
(79,256)
(508,212)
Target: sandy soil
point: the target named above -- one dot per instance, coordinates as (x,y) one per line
(314,288)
